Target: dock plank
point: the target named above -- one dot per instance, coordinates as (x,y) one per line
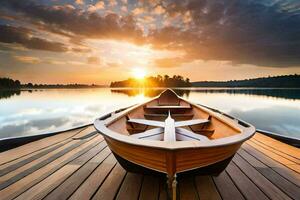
(259,180)
(245,185)
(28,181)
(29,168)
(226,187)
(286,186)
(32,147)
(263,168)
(206,188)
(286,172)
(150,188)
(163,194)
(69,186)
(89,187)
(187,189)
(277,145)
(276,151)
(60,178)
(131,187)
(111,184)
(11,166)
(288,163)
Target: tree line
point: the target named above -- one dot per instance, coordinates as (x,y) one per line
(285,81)
(9,83)
(154,81)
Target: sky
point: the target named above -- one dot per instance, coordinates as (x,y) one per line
(92,41)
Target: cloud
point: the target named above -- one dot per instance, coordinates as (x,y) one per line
(263,33)
(79,2)
(28,59)
(245,32)
(22,36)
(169,62)
(138,11)
(93,60)
(98,6)
(159,10)
(79,22)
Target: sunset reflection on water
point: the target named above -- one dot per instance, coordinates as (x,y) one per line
(42,111)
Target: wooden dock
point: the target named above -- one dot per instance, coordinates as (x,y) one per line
(77,164)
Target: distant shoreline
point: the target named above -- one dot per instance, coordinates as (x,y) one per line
(285,81)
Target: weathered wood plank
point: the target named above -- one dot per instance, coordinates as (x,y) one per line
(226,187)
(286,186)
(110,186)
(259,180)
(206,188)
(288,163)
(287,156)
(277,145)
(69,186)
(31,147)
(130,187)
(87,131)
(187,190)
(11,166)
(245,185)
(150,188)
(60,178)
(88,188)
(163,194)
(287,173)
(25,183)
(29,168)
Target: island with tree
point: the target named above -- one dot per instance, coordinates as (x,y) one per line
(154,81)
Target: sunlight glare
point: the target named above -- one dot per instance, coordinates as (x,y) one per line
(139,73)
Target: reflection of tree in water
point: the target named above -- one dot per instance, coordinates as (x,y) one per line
(148,92)
(278,93)
(5,94)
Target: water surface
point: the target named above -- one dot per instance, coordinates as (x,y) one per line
(42,111)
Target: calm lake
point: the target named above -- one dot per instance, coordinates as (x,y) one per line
(42,111)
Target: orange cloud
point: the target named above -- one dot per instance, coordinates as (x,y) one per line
(159,10)
(169,62)
(28,59)
(138,11)
(79,2)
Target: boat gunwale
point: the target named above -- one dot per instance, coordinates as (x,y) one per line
(244,132)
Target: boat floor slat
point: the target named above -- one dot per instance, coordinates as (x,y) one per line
(263,168)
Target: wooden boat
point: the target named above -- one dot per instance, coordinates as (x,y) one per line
(169,135)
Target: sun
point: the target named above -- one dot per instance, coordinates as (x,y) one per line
(139,73)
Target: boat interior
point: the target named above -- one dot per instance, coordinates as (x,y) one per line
(170,118)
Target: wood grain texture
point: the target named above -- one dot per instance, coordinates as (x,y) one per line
(259,180)
(277,145)
(159,159)
(187,190)
(286,186)
(111,185)
(284,171)
(91,171)
(244,184)
(206,188)
(131,187)
(227,187)
(28,181)
(89,187)
(29,148)
(150,188)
